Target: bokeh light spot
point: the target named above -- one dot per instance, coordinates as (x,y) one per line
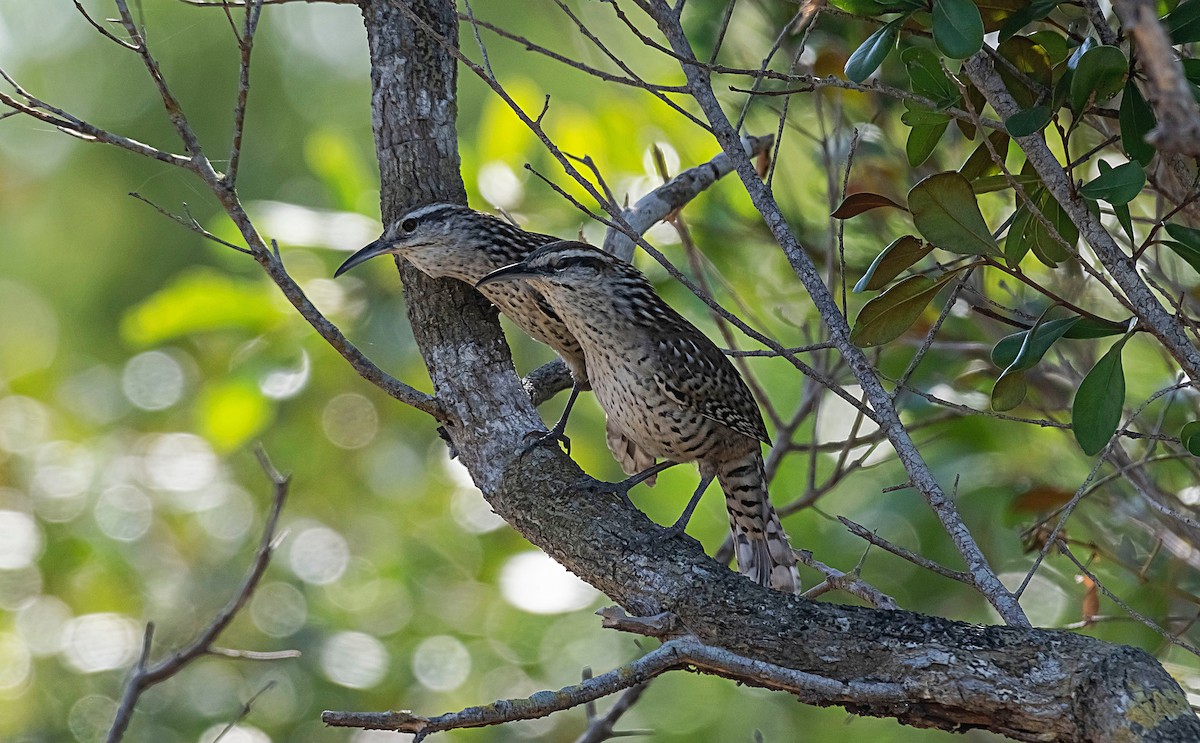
(533,582)
(123,513)
(15,664)
(354,659)
(282,384)
(152,380)
(90,717)
(236,734)
(24,423)
(278,609)
(39,623)
(179,462)
(99,642)
(441,663)
(350,421)
(319,555)
(20,540)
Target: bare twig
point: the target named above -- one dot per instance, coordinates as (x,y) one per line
(143,675)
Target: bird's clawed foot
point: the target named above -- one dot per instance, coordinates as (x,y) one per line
(553,438)
(621,489)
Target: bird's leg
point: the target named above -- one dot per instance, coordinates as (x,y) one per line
(681,523)
(622,488)
(556,434)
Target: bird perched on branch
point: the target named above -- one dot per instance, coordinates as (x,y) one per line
(667,387)
(455,241)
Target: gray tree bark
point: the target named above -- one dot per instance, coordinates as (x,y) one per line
(1028,684)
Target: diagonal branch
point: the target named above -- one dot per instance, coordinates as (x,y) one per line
(884,412)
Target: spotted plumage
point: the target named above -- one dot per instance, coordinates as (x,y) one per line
(455,241)
(666,387)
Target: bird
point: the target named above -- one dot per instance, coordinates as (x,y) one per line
(458,242)
(668,388)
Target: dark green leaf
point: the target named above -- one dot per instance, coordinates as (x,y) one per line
(895,258)
(1055,44)
(864,201)
(1124,219)
(1098,76)
(957,28)
(947,214)
(1032,62)
(1186,252)
(1185,235)
(922,140)
(1029,121)
(990,183)
(1191,69)
(1044,243)
(1005,354)
(1034,11)
(1018,241)
(886,317)
(871,53)
(980,163)
(917,115)
(1096,411)
(1189,436)
(1137,119)
(1088,44)
(1118,185)
(1009,391)
(927,77)
(1096,328)
(1184,22)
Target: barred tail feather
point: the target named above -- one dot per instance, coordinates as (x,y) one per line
(761,545)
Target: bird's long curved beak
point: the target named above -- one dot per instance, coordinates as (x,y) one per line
(379,247)
(507,273)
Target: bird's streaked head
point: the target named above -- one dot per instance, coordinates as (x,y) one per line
(565,263)
(449,240)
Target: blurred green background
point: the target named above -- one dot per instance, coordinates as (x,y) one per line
(140,364)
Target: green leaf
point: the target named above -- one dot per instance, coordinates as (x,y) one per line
(922,140)
(1009,391)
(980,163)
(917,115)
(864,201)
(1189,436)
(1137,119)
(1056,45)
(1029,121)
(1089,327)
(1187,252)
(1034,11)
(1030,349)
(871,53)
(895,258)
(1096,411)
(1185,235)
(1099,75)
(1018,241)
(1033,63)
(927,77)
(947,214)
(991,183)
(1183,23)
(197,302)
(1085,46)
(886,317)
(1117,185)
(957,28)
(1044,243)
(1125,219)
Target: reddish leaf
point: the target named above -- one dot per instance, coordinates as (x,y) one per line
(857,203)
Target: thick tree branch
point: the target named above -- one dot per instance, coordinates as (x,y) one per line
(1178,128)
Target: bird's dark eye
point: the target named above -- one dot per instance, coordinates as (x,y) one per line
(559,265)
(408,225)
